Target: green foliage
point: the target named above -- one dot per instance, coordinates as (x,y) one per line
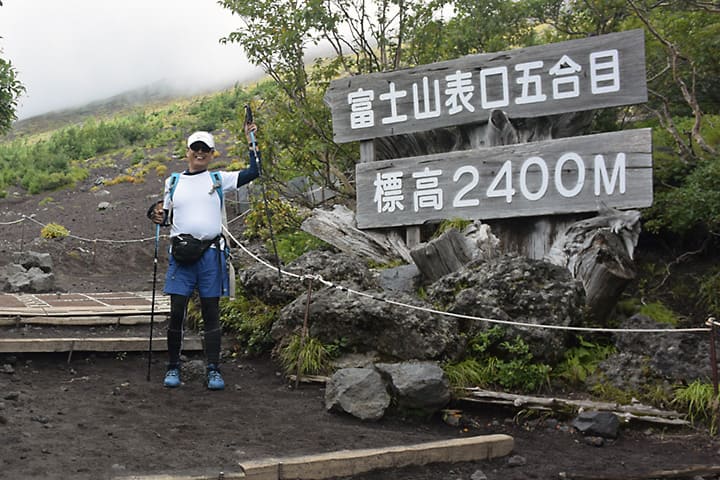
(456,223)
(710,292)
(216,111)
(580,362)
(284,217)
(492,361)
(292,244)
(66,155)
(46,201)
(10,91)
(249,320)
(54,230)
(465,373)
(659,312)
(687,194)
(612,393)
(701,403)
(307,355)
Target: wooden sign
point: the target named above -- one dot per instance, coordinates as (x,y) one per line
(576,75)
(575,174)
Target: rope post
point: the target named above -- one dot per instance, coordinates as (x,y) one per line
(714,368)
(22,235)
(713,355)
(303,334)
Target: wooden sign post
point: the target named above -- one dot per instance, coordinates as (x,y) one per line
(550,177)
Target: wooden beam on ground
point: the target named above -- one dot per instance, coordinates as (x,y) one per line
(81,320)
(696,471)
(99,344)
(353,462)
(623,412)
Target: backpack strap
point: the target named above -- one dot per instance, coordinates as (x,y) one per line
(174,178)
(217,185)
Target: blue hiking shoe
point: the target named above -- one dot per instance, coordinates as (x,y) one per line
(214,378)
(172,378)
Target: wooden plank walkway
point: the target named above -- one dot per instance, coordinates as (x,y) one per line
(77,304)
(99,322)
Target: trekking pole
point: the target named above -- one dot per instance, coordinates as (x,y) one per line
(152,305)
(249,119)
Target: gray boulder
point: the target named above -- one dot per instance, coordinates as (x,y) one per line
(365,323)
(598,424)
(30,259)
(515,289)
(405,278)
(646,358)
(31,272)
(360,392)
(417,386)
(262,282)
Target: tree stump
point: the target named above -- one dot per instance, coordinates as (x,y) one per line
(599,252)
(442,255)
(337,227)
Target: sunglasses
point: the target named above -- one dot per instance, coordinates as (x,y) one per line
(200,147)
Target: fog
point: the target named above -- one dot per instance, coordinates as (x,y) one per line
(70,52)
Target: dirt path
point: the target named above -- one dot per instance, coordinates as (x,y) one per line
(98,417)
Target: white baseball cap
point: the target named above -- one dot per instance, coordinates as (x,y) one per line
(204,137)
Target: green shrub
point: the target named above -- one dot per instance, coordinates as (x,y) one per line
(580,362)
(249,320)
(283,217)
(54,230)
(306,356)
(701,403)
(456,223)
(465,373)
(659,312)
(492,362)
(710,292)
(687,193)
(293,244)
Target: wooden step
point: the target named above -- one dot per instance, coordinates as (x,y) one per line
(93,344)
(82,320)
(82,304)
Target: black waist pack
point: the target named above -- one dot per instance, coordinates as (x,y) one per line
(187,249)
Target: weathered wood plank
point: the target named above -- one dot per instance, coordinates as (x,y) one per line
(353,462)
(337,227)
(531,179)
(78,344)
(576,75)
(628,412)
(695,471)
(81,320)
(443,255)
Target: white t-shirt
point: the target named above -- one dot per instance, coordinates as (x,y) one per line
(195,205)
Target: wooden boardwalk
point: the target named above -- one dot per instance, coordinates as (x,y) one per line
(80,304)
(67,322)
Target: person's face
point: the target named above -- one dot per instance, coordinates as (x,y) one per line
(198,156)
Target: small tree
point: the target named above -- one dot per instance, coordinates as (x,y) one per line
(10,91)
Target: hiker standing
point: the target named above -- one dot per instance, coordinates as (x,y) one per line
(192,206)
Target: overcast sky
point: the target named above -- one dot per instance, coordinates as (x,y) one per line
(70,52)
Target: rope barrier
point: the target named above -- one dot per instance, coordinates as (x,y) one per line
(13,222)
(99,240)
(710,322)
(462,316)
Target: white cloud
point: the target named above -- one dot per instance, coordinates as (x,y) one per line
(70,52)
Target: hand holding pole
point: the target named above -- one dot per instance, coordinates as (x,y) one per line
(250,129)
